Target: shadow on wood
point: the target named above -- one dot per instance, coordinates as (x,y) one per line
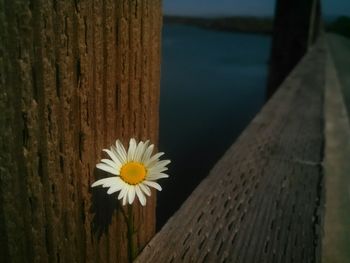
(103,207)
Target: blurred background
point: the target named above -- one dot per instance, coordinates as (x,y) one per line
(214,75)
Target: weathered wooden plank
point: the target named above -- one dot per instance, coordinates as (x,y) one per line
(260,203)
(335,245)
(74,77)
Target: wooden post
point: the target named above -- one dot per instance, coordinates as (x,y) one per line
(74,77)
(296,27)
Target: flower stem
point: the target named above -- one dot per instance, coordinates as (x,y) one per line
(128,217)
(131,246)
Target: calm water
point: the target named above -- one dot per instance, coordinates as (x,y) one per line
(213,84)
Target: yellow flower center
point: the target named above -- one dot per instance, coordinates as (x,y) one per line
(133,173)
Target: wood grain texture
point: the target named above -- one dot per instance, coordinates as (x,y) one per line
(74,77)
(262,201)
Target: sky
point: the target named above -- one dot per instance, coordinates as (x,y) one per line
(241,7)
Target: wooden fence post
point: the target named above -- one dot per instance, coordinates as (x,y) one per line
(74,77)
(296,27)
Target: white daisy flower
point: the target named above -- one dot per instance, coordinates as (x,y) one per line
(135,170)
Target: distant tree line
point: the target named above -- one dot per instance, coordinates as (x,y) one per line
(259,25)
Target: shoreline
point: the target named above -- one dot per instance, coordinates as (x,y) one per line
(246,24)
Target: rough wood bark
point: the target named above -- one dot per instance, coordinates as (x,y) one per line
(296,26)
(74,76)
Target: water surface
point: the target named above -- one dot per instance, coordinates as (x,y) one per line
(212,84)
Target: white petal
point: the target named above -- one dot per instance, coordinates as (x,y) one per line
(153,184)
(145,147)
(121,150)
(117,186)
(148,153)
(124,199)
(110,182)
(139,152)
(107,168)
(157,170)
(131,150)
(118,155)
(153,159)
(122,193)
(113,189)
(157,176)
(140,195)
(106,182)
(145,189)
(111,163)
(131,194)
(113,156)
(161,164)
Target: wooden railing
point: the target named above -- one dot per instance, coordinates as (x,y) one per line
(262,202)
(336,241)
